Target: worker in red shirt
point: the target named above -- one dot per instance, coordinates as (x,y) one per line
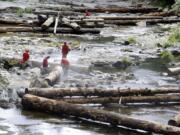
(45,62)
(87,13)
(65,50)
(24,60)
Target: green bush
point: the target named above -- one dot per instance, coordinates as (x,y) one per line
(166,56)
(176,7)
(131,40)
(175,36)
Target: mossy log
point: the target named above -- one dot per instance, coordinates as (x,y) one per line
(50,30)
(125,100)
(175,121)
(60,92)
(62,108)
(118,10)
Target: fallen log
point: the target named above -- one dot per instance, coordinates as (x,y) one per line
(70,24)
(118,10)
(124,100)
(15,22)
(166,21)
(54,75)
(47,23)
(162,14)
(54,93)
(175,121)
(121,22)
(62,108)
(174,71)
(50,30)
(61,13)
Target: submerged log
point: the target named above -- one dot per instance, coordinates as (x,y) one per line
(124,100)
(47,23)
(152,22)
(50,30)
(62,108)
(54,75)
(118,10)
(175,121)
(60,92)
(174,71)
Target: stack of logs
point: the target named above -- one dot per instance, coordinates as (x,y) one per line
(63,101)
(72,20)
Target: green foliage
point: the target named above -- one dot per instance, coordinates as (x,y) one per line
(167,44)
(175,36)
(126,61)
(21,11)
(131,40)
(176,7)
(166,56)
(163,3)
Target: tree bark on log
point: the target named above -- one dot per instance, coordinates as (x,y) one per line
(50,30)
(70,24)
(124,100)
(121,22)
(61,13)
(166,21)
(175,121)
(54,75)
(118,10)
(60,92)
(174,71)
(47,23)
(62,108)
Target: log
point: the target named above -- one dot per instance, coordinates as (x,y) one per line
(164,21)
(175,121)
(174,71)
(162,14)
(15,22)
(70,24)
(60,92)
(62,108)
(121,22)
(61,13)
(54,75)
(124,100)
(118,10)
(50,30)
(47,23)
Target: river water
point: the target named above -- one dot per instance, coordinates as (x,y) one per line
(87,49)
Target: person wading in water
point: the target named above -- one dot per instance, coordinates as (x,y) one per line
(65,50)
(24,61)
(45,65)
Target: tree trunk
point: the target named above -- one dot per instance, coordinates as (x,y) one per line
(60,92)
(124,100)
(121,22)
(61,13)
(70,24)
(54,75)
(47,23)
(50,30)
(63,108)
(166,21)
(174,71)
(175,121)
(162,14)
(118,10)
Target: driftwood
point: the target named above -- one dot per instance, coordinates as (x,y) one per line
(50,30)
(125,100)
(174,71)
(118,10)
(155,21)
(54,75)
(47,23)
(175,121)
(61,13)
(60,92)
(73,25)
(62,108)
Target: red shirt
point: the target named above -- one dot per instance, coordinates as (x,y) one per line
(45,62)
(64,61)
(25,57)
(87,13)
(65,49)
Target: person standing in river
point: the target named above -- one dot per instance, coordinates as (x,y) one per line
(65,50)
(45,65)
(25,59)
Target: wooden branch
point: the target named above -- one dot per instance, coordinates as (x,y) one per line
(60,92)
(62,108)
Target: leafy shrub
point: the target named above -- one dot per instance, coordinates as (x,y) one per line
(166,56)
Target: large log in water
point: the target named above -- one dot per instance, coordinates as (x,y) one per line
(61,13)
(175,121)
(54,75)
(50,30)
(73,25)
(118,10)
(166,21)
(174,71)
(62,108)
(121,22)
(125,100)
(60,92)
(47,23)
